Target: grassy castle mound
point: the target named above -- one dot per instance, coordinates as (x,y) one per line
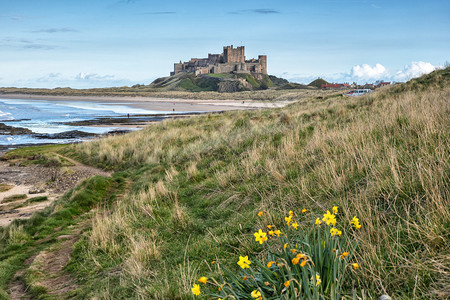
(186,194)
(224,83)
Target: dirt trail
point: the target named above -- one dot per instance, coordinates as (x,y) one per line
(38,181)
(17,288)
(47,268)
(83,168)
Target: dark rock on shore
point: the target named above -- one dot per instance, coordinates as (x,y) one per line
(111,121)
(7,212)
(72,134)
(10,130)
(117,132)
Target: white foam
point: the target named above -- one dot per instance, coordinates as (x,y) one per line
(5,116)
(118,109)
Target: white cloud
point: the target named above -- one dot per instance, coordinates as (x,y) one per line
(415,69)
(80,80)
(92,76)
(366,72)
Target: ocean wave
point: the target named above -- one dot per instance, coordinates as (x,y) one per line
(5,116)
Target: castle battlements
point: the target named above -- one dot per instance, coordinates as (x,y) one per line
(232,60)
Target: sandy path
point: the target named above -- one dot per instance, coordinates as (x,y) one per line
(20,189)
(6,217)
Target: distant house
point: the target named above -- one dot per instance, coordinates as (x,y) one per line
(335,86)
(383,83)
(368,86)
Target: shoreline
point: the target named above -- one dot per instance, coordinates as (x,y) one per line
(159,109)
(160,104)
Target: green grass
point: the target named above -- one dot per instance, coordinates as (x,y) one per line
(221,75)
(5,187)
(37,199)
(41,155)
(14,198)
(194,187)
(22,238)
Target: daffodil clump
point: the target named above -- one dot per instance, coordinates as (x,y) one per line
(303,262)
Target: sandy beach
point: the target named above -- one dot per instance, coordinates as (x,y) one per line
(160,104)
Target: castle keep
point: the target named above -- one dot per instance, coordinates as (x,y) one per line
(232,60)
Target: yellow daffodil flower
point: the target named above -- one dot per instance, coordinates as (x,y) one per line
(277,232)
(318,222)
(291,213)
(303,263)
(260,236)
(244,262)
(260,213)
(355,266)
(271,233)
(270,263)
(270,226)
(334,231)
(355,222)
(288,220)
(329,218)
(295,225)
(284,246)
(286,284)
(196,290)
(334,209)
(304,210)
(345,254)
(318,280)
(203,280)
(295,260)
(256,294)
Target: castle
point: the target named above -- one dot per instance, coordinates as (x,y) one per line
(232,60)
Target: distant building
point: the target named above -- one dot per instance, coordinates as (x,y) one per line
(383,83)
(368,86)
(355,85)
(232,60)
(335,85)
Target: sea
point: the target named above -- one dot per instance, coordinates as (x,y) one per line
(46,117)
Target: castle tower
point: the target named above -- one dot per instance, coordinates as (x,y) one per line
(231,54)
(262,59)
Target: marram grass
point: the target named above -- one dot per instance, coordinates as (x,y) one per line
(199,182)
(192,189)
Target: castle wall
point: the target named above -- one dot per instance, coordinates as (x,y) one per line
(225,68)
(215,58)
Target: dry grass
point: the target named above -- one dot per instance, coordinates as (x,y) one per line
(383,156)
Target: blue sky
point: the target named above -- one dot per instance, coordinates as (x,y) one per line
(51,43)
